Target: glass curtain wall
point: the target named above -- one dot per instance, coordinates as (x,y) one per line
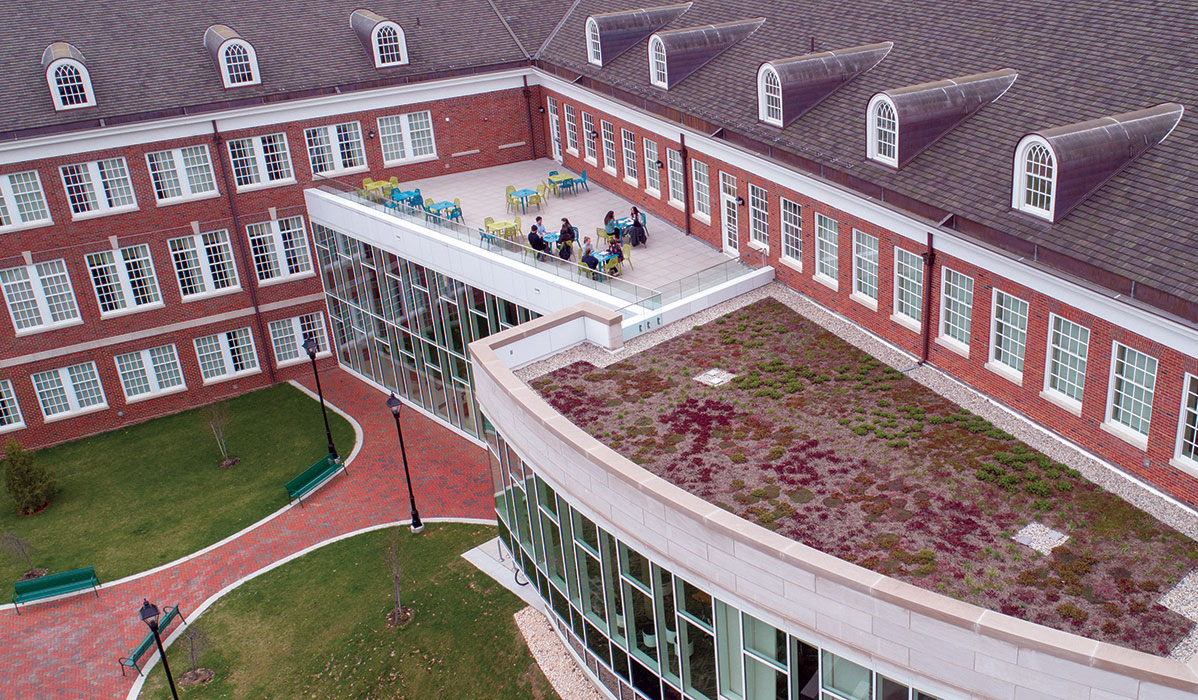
(640,627)
(406,326)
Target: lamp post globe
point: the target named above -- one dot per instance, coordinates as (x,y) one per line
(395,405)
(149,614)
(312,347)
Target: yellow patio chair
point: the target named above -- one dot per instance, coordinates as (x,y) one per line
(487,223)
(511,201)
(518,229)
(536,199)
(553,186)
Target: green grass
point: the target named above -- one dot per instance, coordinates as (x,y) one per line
(315,628)
(141,496)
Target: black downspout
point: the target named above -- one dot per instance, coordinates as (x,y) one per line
(532,141)
(250,284)
(929,264)
(686,190)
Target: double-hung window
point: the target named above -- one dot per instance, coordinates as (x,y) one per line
(1187,431)
(98,187)
(69,390)
(956,308)
(10,410)
(204,263)
(181,174)
(335,148)
(865,268)
(260,160)
(226,355)
(1133,381)
(674,175)
(588,141)
(571,130)
(22,203)
(149,373)
(827,249)
(288,336)
(908,287)
(124,278)
(39,296)
(280,248)
(652,174)
(1068,345)
(759,216)
(1008,334)
(792,232)
(701,174)
(630,158)
(609,146)
(406,137)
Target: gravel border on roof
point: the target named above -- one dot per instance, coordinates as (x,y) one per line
(1102,473)
(553,657)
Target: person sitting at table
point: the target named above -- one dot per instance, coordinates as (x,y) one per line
(567,232)
(635,215)
(588,254)
(536,242)
(540,227)
(636,232)
(610,227)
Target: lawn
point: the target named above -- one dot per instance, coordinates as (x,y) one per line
(315,628)
(141,496)
(821,442)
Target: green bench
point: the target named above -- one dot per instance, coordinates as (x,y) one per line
(313,477)
(54,584)
(141,649)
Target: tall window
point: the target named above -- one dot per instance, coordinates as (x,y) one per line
(630,158)
(181,174)
(594,49)
(956,306)
(280,248)
(674,175)
(827,248)
(865,265)
(908,285)
(792,231)
(701,175)
(1009,336)
(123,278)
(260,160)
(335,148)
(1035,188)
(588,140)
(288,336)
(70,85)
(226,355)
(149,373)
(10,410)
(1187,438)
(101,186)
(571,130)
(1133,380)
(390,46)
(22,203)
(204,263)
(39,296)
(1068,345)
(609,145)
(759,216)
(406,137)
(769,96)
(884,132)
(69,390)
(657,63)
(240,64)
(652,174)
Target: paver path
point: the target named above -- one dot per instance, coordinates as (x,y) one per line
(68,649)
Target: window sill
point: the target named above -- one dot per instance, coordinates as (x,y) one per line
(77,412)
(156,394)
(907,322)
(1131,437)
(796,265)
(1060,400)
(409,161)
(189,198)
(867,302)
(105,315)
(954,345)
(12,428)
(572,151)
(758,245)
(286,278)
(1012,375)
(827,281)
(609,170)
(301,359)
(1180,463)
(632,181)
(211,295)
(26,226)
(677,205)
(590,160)
(265,185)
(656,194)
(336,173)
(101,213)
(50,327)
(702,218)
(231,377)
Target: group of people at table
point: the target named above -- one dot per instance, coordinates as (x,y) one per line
(618,232)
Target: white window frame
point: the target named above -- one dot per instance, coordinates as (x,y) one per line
(875,126)
(759,217)
(153,372)
(628,139)
(398,130)
(677,195)
(867,281)
(226,354)
(70,392)
(594,47)
(377,47)
(949,311)
(993,362)
(765,105)
(607,132)
(903,282)
(257,159)
(1019,187)
(659,74)
(270,250)
(1117,427)
(226,75)
(652,172)
(1187,416)
(1052,393)
(792,233)
(571,130)
(36,275)
(85,80)
(99,195)
(10,204)
(9,406)
(204,263)
(119,271)
(701,184)
(190,188)
(588,143)
(293,330)
(827,251)
(331,143)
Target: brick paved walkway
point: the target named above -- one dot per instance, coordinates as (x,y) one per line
(68,649)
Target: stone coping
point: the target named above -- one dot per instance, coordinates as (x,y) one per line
(1022,633)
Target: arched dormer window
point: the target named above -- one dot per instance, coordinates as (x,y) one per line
(1035,178)
(657,63)
(882,131)
(239,64)
(390,46)
(769,96)
(594,49)
(70,85)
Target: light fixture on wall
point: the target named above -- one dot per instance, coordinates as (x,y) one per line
(660,165)
(594,135)
(370,134)
(740,201)
(541,110)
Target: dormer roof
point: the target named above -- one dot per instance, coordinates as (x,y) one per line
(620,31)
(691,48)
(363,23)
(61,49)
(215,37)
(809,79)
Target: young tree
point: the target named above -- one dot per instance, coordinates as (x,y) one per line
(218,418)
(30,484)
(196,642)
(17,547)
(391,558)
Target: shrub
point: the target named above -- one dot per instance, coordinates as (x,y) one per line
(737,484)
(1069,611)
(1038,488)
(1064,485)
(30,484)
(1008,481)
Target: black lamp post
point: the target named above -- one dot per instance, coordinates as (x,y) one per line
(149,615)
(394,404)
(311,347)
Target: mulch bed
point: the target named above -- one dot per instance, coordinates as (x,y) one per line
(825,444)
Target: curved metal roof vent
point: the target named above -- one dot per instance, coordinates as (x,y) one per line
(61,49)
(811,78)
(688,50)
(620,31)
(1090,153)
(928,111)
(215,36)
